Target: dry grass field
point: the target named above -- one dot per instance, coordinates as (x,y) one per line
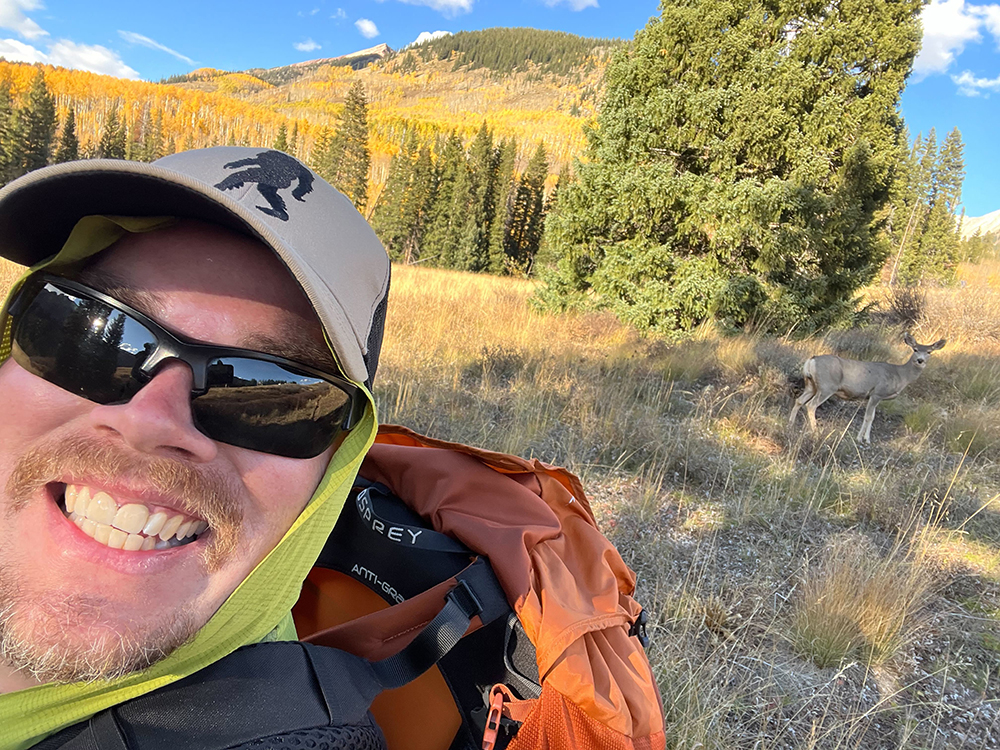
(804,591)
(807,592)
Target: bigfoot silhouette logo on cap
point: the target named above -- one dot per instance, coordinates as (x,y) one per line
(271,171)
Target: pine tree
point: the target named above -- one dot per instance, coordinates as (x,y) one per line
(446,214)
(420,198)
(152,144)
(721,180)
(281,140)
(481,186)
(321,158)
(387,218)
(113,136)
(350,148)
(506,191)
(37,125)
(9,146)
(293,144)
(932,251)
(69,146)
(524,235)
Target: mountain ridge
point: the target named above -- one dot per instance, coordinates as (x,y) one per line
(988,224)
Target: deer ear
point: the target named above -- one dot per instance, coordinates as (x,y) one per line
(938,344)
(908,340)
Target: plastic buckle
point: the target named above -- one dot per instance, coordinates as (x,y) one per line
(464,598)
(638,629)
(493,718)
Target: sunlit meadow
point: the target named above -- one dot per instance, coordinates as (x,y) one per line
(804,591)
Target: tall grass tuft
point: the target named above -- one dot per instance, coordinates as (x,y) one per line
(858,605)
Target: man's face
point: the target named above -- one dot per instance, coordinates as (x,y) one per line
(72,605)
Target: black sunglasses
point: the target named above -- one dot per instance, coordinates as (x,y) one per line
(97,347)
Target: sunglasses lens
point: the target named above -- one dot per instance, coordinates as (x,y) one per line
(265,407)
(93,349)
(80,344)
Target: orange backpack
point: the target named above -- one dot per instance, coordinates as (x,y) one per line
(570,589)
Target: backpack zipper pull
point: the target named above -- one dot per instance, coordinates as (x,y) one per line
(493,718)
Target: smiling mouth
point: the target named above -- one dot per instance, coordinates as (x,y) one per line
(128,526)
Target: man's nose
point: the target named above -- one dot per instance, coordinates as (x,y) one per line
(157,420)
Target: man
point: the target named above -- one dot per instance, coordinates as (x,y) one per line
(178,437)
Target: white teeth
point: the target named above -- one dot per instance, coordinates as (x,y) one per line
(116,539)
(170,527)
(154,524)
(102,508)
(82,500)
(103,533)
(71,493)
(130,527)
(131,518)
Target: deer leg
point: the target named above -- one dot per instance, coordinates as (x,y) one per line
(807,394)
(865,435)
(814,403)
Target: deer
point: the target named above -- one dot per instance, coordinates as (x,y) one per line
(828,375)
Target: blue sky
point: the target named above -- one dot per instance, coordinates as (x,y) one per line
(956,81)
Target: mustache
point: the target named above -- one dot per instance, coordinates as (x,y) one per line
(201,492)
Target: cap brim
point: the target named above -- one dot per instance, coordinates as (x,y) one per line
(38,212)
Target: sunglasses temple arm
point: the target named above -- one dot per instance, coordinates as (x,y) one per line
(357,409)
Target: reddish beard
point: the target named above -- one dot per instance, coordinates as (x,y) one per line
(59,638)
(197,492)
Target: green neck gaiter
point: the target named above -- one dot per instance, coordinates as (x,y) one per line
(258,610)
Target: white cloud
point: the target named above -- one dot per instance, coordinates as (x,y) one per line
(340,15)
(969,85)
(991,20)
(12,16)
(306,46)
(17,51)
(427,36)
(573,4)
(367,28)
(948,26)
(64,52)
(90,57)
(132,38)
(448,7)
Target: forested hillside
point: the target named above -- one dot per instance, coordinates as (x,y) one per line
(547,95)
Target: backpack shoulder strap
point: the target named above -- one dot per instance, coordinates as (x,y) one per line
(268,690)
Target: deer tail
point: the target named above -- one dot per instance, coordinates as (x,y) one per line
(809,370)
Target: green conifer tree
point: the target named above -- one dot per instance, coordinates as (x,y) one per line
(113,136)
(281,140)
(9,147)
(321,157)
(37,125)
(446,214)
(506,191)
(721,180)
(524,235)
(420,198)
(388,217)
(481,186)
(350,148)
(69,146)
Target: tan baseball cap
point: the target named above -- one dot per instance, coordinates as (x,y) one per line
(315,230)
